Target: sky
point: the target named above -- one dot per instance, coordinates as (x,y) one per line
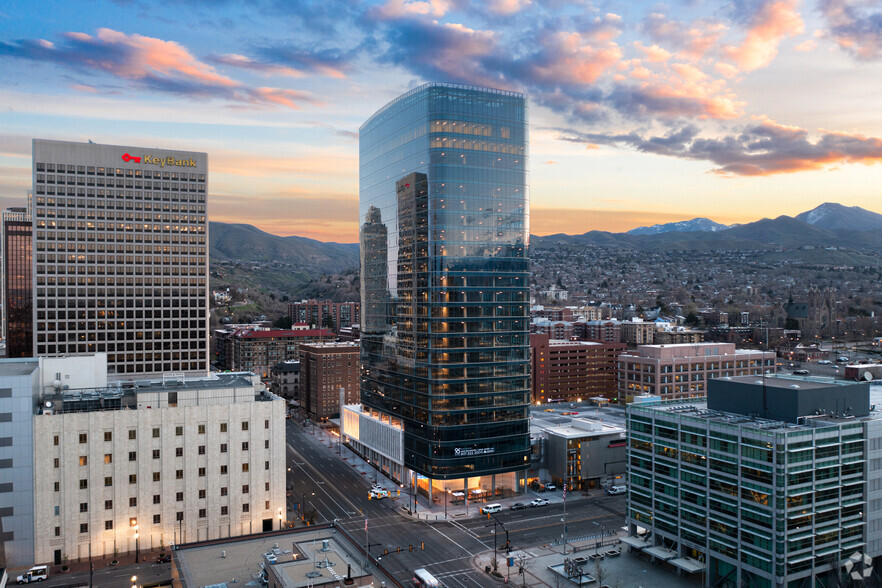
(640,112)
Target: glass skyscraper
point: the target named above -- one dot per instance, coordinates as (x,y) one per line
(445,273)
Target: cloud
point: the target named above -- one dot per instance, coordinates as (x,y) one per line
(329,63)
(393,9)
(147,62)
(692,40)
(774,21)
(856,26)
(763,149)
(653,53)
(507,7)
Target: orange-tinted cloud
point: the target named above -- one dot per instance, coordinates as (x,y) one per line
(149,63)
(773,22)
(693,40)
(573,221)
(855,26)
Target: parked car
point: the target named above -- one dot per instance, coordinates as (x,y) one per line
(824,362)
(613,490)
(800,372)
(549,486)
(842,359)
(518,506)
(163,558)
(35,574)
(539,502)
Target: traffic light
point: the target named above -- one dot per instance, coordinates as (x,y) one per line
(508,546)
(399,492)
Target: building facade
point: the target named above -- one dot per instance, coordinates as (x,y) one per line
(324,314)
(285,379)
(765,484)
(637,332)
(121,256)
(683,370)
(326,368)
(573,371)
(247,350)
(608,331)
(445,278)
(18,290)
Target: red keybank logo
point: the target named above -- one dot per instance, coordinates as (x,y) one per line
(128,158)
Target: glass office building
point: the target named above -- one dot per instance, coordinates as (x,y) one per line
(444,208)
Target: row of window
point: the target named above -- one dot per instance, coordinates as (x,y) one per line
(179,452)
(156,432)
(92,170)
(157,476)
(137,184)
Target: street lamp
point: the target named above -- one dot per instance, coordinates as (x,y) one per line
(134,524)
(446,496)
(507,545)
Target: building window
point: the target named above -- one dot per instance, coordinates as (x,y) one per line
(266,424)
(224,510)
(179,497)
(266,444)
(244,488)
(155,454)
(223,470)
(57,486)
(266,505)
(108,525)
(202,513)
(84,484)
(84,507)
(156,498)
(201,472)
(55,440)
(155,476)
(202,493)
(244,467)
(108,435)
(157,519)
(179,516)
(133,501)
(246,507)
(58,531)
(266,465)
(57,510)
(155,433)
(84,460)
(179,430)
(179,474)
(201,429)
(223,427)
(179,452)
(201,450)
(108,458)
(84,527)
(223,490)
(83,437)
(133,434)
(244,445)
(244,425)
(55,462)
(266,486)
(108,504)
(223,447)
(133,455)
(133,478)
(108,481)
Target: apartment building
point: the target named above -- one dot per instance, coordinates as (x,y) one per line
(637,332)
(683,370)
(258,350)
(326,369)
(325,314)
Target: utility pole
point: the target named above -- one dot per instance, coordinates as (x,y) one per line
(565,518)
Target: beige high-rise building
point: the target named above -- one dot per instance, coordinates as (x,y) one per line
(121,256)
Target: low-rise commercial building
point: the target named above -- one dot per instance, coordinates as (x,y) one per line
(569,371)
(769,482)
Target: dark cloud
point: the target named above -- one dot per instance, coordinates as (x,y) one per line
(758,150)
(855,26)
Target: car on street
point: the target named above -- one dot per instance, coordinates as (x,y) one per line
(800,372)
(824,362)
(539,502)
(518,506)
(163,558)
(549,486)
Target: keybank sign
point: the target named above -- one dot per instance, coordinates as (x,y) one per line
(160,161)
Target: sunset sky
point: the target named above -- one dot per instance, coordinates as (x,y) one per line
(640,112)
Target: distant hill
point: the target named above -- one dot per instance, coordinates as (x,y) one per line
(696,224)
(836,216)
(241,242)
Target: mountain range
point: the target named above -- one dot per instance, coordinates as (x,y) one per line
(828,225)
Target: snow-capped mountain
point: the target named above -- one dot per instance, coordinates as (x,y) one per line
(696,224)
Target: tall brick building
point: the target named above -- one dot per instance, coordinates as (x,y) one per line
(567,371)
(324,369)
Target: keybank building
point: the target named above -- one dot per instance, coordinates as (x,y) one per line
(444,213)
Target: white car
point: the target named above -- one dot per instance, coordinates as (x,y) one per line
(539,502)
(824,362)
(378,493)
(35,574)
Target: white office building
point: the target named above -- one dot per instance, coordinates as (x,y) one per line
(116,467)
(120,256)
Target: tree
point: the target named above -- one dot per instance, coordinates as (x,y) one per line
(283,322)
(691,319)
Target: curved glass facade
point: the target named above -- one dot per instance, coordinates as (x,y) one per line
(444,208)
